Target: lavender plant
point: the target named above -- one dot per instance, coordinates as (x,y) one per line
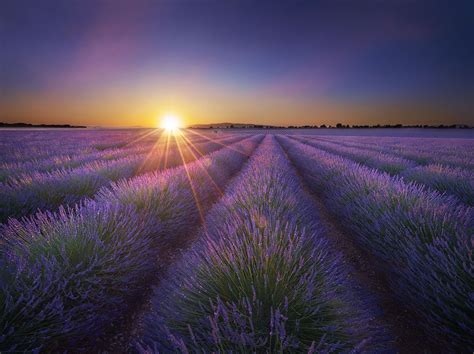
(69,274)
(48,191)
(384,162)
(260,278)
(423,239)
(454,181)
(457,153)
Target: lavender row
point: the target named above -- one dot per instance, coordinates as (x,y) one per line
(259,279)
(63,158)
(454,181)
(18,146)
(385,162)
(422,239)
(47,152)
(14,173)
(447,147)
(441,145)
(67,187)
(453,153)
(66,276)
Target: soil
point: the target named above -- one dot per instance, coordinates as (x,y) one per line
(365,270)
(120,337)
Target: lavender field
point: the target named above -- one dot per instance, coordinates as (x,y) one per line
(200,241)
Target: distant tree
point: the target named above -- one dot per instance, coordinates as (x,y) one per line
(338,125)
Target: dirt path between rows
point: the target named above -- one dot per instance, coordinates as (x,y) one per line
(121,336)
(362,269)
(409,338)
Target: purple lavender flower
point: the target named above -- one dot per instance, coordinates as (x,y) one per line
(423,239)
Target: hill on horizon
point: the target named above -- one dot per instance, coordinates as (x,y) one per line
(230,125)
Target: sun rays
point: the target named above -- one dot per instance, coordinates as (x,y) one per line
(187,149)
(179,147)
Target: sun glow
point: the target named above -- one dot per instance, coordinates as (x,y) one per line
(170,122)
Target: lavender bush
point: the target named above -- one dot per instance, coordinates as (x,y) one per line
(260,278)
(384,162)
(21,146)
(69,274)
(457,153)
(48,191)
(423,239)
(454,181)
(65,151)
(262,275)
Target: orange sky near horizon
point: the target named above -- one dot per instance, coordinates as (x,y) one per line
(122,110)
(126,63)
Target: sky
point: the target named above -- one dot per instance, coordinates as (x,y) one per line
(128,63)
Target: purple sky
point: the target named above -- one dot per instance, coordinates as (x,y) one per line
(290,62)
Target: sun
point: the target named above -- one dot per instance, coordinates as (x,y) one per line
(170,122)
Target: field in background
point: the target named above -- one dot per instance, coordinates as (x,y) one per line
(383,132)
(242,240)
